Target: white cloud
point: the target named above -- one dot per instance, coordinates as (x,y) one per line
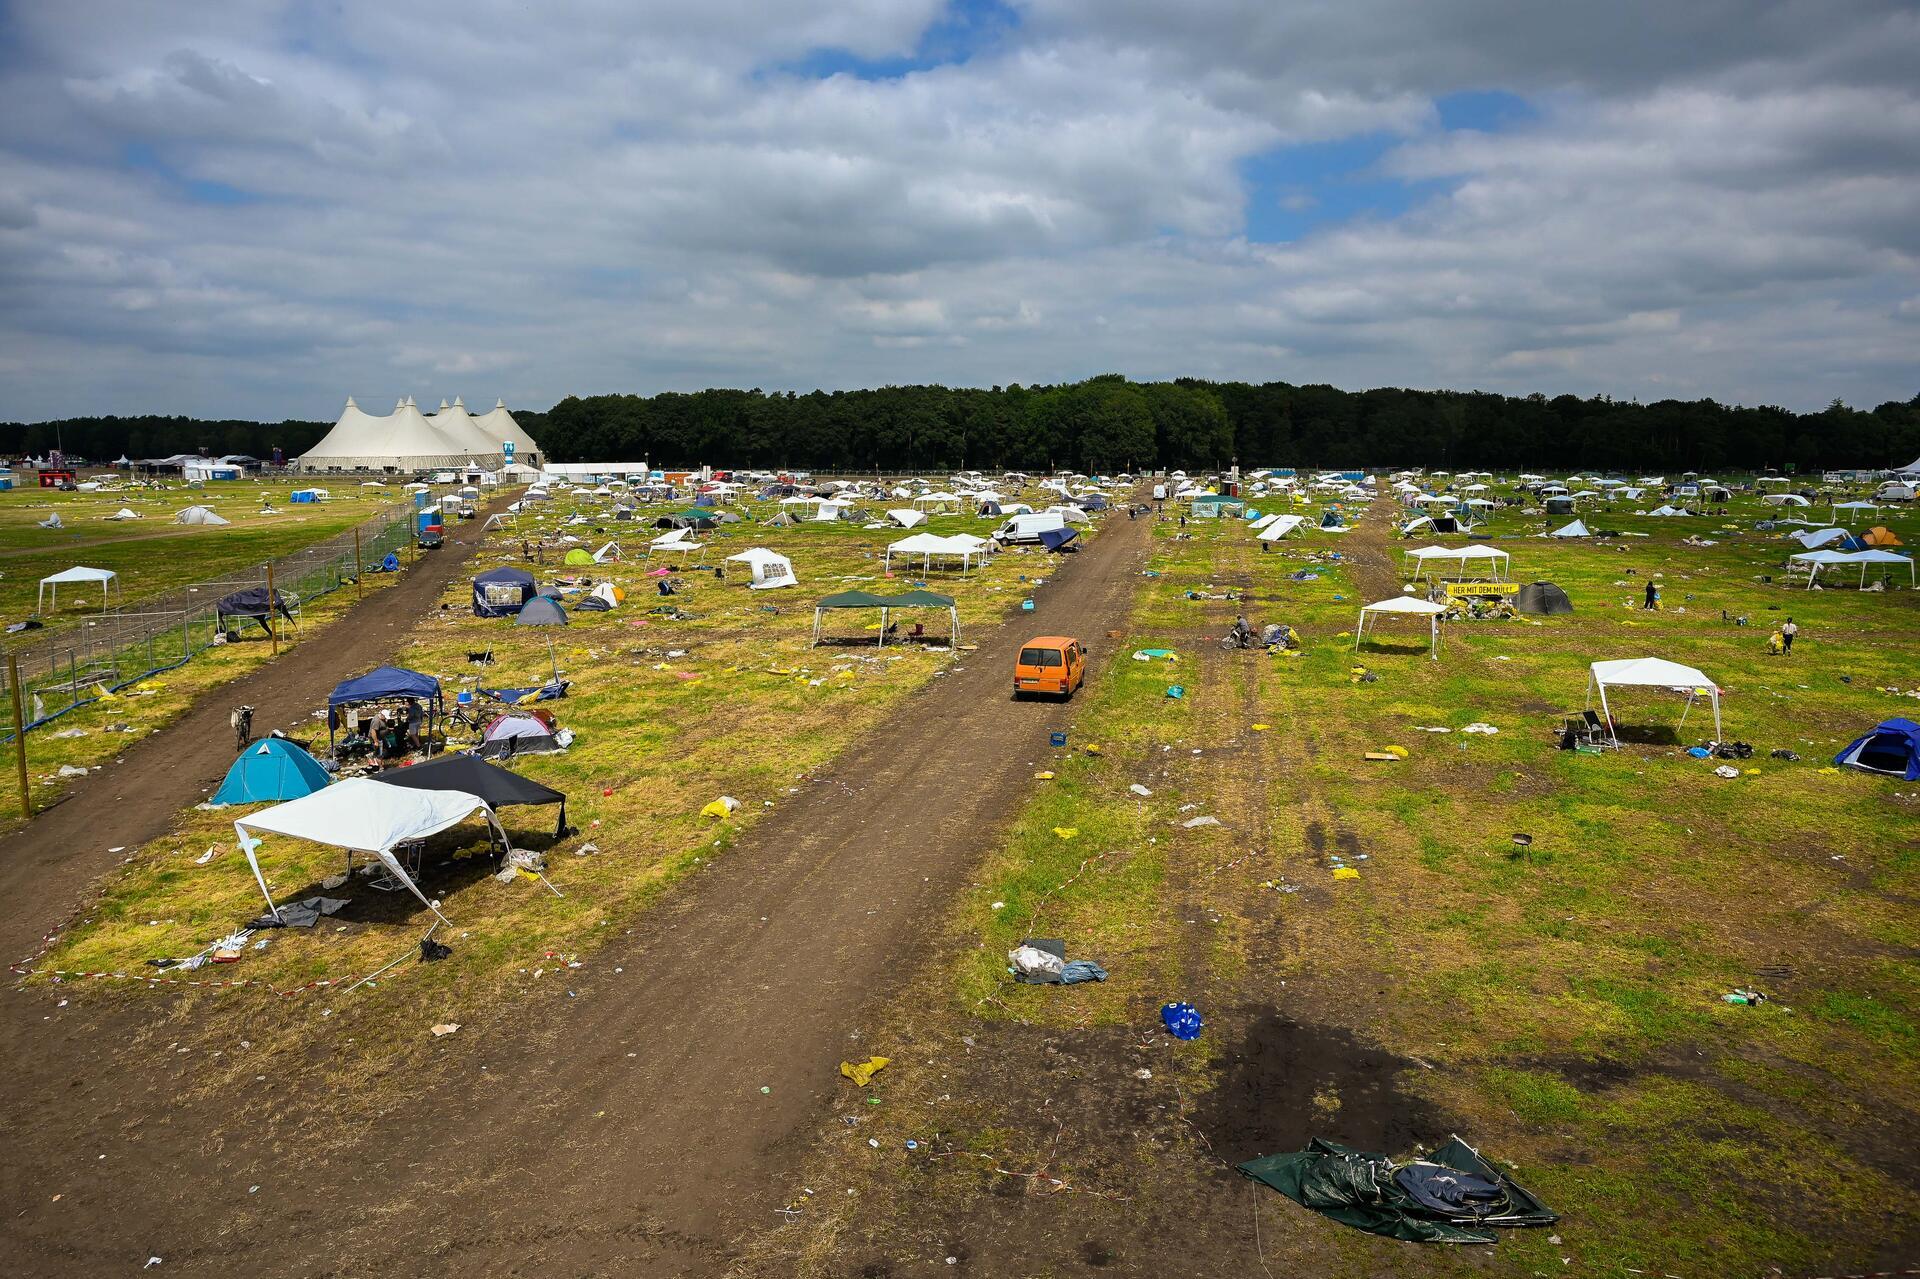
(1718,199)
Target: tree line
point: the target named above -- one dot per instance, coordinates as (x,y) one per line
(1111,424)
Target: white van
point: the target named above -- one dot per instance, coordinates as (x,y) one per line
(1028,528)
(1895,491)
(1159,492)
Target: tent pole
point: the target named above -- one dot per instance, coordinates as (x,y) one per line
(19,734)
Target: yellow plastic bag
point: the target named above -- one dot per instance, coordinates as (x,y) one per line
(1066,832)
(721,807)
(864,1071)
(1345,872)
(1261,728)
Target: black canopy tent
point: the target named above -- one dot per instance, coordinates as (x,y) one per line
(886,604)
(500,787)
(253,603)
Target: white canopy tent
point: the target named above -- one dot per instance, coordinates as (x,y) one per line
(363,816)
(770,568)
(1402,605)
(1817,560)
(906,519)
(106,578)
(928,545)
(1280,527)
(1650,672)
(1854,506)
(1495,559)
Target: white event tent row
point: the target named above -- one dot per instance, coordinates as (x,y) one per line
(105,577)
(363,816)
(1814,561)
(1650,672)
(1402,606)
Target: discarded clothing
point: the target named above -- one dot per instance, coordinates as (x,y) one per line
(863,1072)
(301,914)
(1454,1197)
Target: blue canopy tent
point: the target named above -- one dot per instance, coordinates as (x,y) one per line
(269,771)
(385,684)
(500,592)
(1893,748)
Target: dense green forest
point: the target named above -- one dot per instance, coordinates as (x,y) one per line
(1109,423)
(102,439)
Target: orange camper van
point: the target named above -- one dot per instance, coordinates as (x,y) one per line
(1050,664)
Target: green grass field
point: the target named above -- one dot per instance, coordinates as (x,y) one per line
(1561,1007)
(153,555)
(669,715)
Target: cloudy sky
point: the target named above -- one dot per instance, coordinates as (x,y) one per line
(259,208)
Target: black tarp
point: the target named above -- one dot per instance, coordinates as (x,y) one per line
(500,787)
(1453,1197)
(252,603)
(1542,597)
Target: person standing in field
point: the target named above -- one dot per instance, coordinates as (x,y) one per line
(1653,595)
(1788,630)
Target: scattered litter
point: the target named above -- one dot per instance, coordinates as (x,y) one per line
(1192,822)
(720,807)
(207,856)
(1741,995)
(1140,790)
(1043,776)
(1043,962)
(1175,691)
(445,1028)
(587,849)
(860,1073)
(1182,1020)
(1477,727)
(1261,728)
(1726,770)
(1066,832)
(68,770)
(1345,872)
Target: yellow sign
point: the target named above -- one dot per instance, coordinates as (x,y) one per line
(1467,590)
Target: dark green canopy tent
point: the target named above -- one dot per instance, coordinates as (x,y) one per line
(886,604)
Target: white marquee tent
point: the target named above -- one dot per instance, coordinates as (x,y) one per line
(1280,527)
(1402,606)
(1650,672)
(363,816)
(905,518)
(106,578)
(1496,560)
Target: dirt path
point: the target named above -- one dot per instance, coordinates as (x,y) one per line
(638,1113)
(46,866)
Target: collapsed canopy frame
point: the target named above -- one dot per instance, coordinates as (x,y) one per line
(363,816)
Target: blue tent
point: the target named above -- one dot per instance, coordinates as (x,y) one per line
(1056,538)
(1893,747)
(541,610)
(500,592)
(269,771)
(381,684)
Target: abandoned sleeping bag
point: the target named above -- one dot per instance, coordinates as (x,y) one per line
(1454,1197)
(252,603)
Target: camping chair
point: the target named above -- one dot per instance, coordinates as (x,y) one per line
(1597,731)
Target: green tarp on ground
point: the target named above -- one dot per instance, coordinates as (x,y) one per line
(1453,1197)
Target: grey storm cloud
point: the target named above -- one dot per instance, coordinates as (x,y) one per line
(237,208)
